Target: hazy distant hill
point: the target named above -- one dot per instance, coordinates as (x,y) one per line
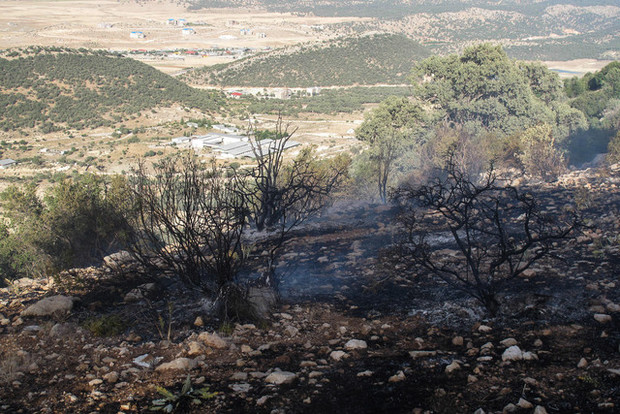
(51,88)
(393,8)
(365,60)
(528,29)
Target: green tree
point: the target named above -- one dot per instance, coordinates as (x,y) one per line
(388,130)
(539,153)
(613,150)
(484,90)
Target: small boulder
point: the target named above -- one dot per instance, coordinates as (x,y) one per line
(196,348)
(51,305)
(602,317)
(540,410)
(355,344)
(111,377)
(280,377)
(582,363)
(513,353)
(400,376)
(524,404)
(508,342)
(213,340)
(454,366)
(179,364)
(337,355)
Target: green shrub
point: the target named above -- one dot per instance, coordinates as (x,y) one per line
(107,325)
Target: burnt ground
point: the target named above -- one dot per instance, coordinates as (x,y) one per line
(334,289)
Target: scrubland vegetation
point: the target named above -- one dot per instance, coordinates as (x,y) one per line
(50,89)
(457,185)
(361,60)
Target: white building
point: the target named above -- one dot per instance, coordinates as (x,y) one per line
(7,162)
(137,35)
(188,31)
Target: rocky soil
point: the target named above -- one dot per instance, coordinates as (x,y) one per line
(350,334)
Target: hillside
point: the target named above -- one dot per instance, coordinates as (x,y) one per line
(51,88)
(529,29)
(365,60)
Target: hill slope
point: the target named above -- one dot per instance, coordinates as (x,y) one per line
(54,87)
(366,60)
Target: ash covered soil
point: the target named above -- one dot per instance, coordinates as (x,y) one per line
(350,334)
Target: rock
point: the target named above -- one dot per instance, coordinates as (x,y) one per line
(145,361)
(145,290)
(614,371)
(457,341)
(337,355)
(291,330)
(454,366)
(262,400)
(508,342)
(530,356)
(198,321)
(240,388)
(239,376)
(366,373)
(355,344)
(63,330)
(280,377)
(602,317)
(484,329)
(111,377)
(400,376)
(246,349)
(471,379)
(582,363)
(528,273)
(538,343)
(213,340)
(479,411)
(196,348)
(525,404)
(509,408)
(117,259)
(540,410)
(180,364)
(513,353)
(95,382)
(51,305)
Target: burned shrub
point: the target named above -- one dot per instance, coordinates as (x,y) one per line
(282,195)
(190,222)
(497,231)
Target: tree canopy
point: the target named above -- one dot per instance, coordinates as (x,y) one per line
(483,89)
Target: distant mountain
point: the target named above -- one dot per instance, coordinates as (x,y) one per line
(528,29)
(383,9)
(52,88)
(362,60)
